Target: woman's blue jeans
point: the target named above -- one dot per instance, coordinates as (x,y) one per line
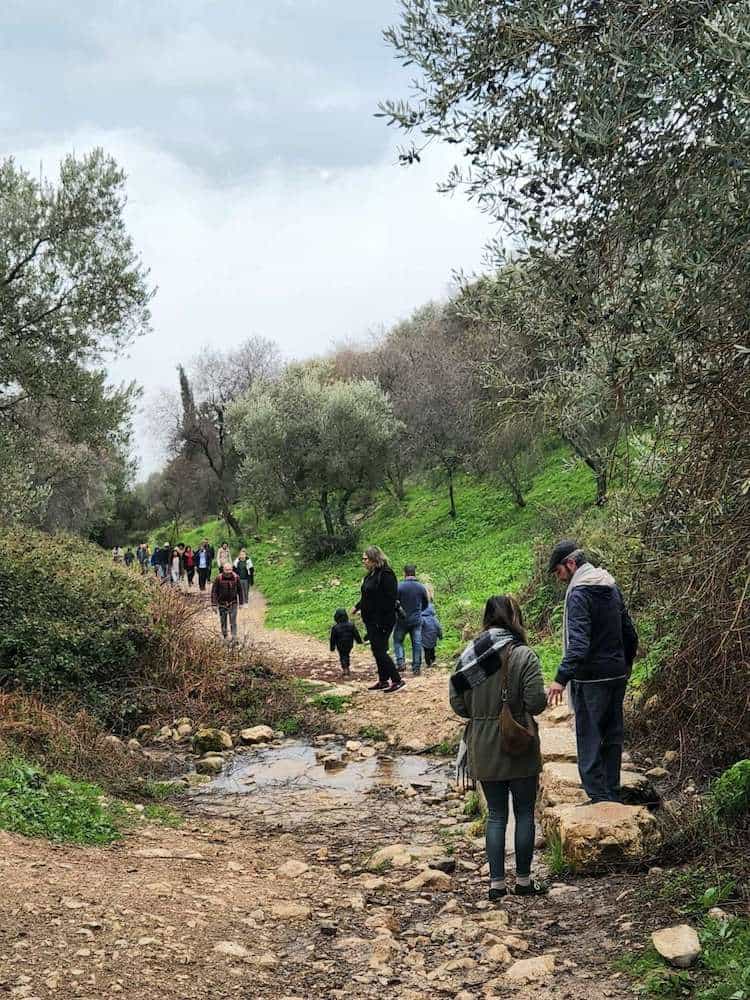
(523,792)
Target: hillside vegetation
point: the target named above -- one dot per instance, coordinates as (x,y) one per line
(490,547)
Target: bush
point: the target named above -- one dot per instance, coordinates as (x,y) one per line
(730,793)
(316,545)
(70,620)
(39,805)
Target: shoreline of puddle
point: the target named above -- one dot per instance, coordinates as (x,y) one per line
(299,765)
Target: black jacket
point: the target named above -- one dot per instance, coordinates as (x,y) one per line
(378,601)
(602,640)
(343,636)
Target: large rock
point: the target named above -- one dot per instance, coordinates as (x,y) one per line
(603,833)
(560,784)
(208,740)
(679,945)
(256,734)
(431,878)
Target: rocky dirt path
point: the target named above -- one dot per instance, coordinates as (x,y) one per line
(284,883)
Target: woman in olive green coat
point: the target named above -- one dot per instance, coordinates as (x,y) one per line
(475,694)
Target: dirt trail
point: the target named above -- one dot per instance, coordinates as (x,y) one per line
(269,889)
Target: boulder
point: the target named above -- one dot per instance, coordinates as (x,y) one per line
(184,720)
(603,833)
(113,740)
(143,732)
(256,734)
(679,945)
(206,740)
(134,745)
(184,730)
(212,763)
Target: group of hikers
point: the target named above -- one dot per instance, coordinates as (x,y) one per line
(386,605)
(498,687)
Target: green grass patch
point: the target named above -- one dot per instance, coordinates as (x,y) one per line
(693,891)
(447,747)
(53,806)
(374,733)
(473,804)
(555,859)
(291,726)
(336,703)
(163,815)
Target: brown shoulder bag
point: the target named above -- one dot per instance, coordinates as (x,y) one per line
(514,738)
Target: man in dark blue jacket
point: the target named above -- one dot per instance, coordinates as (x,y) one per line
(599,646)
(413,598)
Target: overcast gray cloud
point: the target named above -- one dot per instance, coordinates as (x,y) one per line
(263,194)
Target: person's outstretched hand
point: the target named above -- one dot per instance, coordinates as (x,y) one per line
(555,693)
(353,613)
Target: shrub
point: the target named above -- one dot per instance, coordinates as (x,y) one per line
(730,793)
(315,544)
(36,804)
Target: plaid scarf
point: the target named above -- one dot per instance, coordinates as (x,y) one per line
(472,666)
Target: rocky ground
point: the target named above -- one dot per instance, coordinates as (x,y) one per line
(284,884)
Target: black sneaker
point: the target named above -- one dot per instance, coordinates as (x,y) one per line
(534,888)
(394,687)
(494,894)
(377,687)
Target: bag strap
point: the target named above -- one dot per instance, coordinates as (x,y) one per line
(504,669)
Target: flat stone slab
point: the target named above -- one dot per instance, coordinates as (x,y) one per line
(558,743)
(560,784)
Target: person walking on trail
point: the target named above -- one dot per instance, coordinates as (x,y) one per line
(226,595)
(223,556)
(432,630)
(203,560)
(129,557)
(175,567)
(141,554)
(599,646)
(495,669)
(343,636)
(377,606)
(188,561)
(243,567)
(413,598)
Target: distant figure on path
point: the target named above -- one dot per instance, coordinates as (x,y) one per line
(377,605)
(343,636)
(128,558)
(203,561)
(117,554)
(223,556)
(188,561)
(478,690)
(243,567)
(599,646)
(226,595)
(142,555)
(432,630)
(413,598)
(175,567)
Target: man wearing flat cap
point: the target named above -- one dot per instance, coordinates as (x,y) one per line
(599,646)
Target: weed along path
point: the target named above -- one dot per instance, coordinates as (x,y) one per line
(341,867)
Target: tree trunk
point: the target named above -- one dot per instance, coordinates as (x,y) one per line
(325,510)
(451,493)
(595,463)
(343,506)
(395,476)
(229,519)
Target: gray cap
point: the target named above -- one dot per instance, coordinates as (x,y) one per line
(561,552)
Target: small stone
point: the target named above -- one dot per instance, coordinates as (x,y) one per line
(529,970)
(353,746)
(287,910)
(716,913)
(134,745)
(679,945)
(293,869)
(498,953)
(429,877)
(657,773)
(231,948)
(210,764)
(256,734)
(206,740)
(670,757)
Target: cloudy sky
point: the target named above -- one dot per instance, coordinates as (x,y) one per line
(263,194)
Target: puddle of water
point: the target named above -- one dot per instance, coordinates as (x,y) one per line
(301,766)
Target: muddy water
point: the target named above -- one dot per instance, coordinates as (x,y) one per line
(299,766)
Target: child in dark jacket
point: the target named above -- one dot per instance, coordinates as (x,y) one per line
(343,636)
(432,630)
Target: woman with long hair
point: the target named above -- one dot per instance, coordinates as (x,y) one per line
(495,669)
(377,605)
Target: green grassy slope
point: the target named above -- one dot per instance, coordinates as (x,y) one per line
(488,549)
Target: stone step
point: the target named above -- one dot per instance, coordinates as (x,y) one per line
(560,784)
(558,743)
(595,836)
